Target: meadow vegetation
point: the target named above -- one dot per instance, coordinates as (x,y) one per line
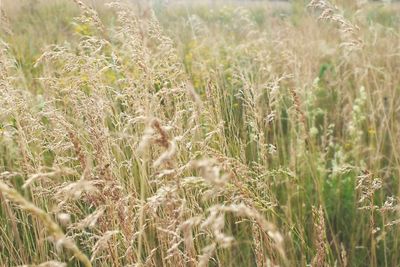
(199,134)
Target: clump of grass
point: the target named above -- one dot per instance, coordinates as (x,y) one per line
(53,229)
(157,135)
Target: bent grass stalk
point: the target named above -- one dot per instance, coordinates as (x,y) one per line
(52,228)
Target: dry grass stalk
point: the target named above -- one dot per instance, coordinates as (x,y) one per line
(52,228)
(320,241)
(348,31)
(48,264)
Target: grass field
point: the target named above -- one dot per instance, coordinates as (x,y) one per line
(199,133)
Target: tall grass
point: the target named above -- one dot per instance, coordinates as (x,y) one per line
(153,134)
